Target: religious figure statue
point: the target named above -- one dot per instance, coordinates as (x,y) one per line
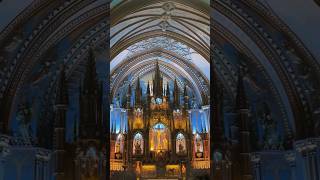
(117,101)
(24,115)
(89,164)
(218,156)
(198,143)
(183,169)
(138,147)
(117,148)
(181,149)
(165,142)
(194,104)
(269,125)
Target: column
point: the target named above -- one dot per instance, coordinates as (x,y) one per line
(41,164)
(4,152)
(256,163)
(291,159)
(313,163)
(307,148)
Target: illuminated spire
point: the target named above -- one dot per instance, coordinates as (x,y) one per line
(168,92)
(138,93)
(147,104)
(129,90)
(129,97)
(176,95)
(186,97)
(157,82)
(148,89)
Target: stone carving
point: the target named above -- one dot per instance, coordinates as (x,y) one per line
(42,72)
(16,41)
(4,146)
(89,163)
(117,101)
(23,118)
(308,81)
(269,125)
(161,42)
(301,66)
(248,76)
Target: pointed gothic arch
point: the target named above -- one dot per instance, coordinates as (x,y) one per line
(138,144)
(181,144)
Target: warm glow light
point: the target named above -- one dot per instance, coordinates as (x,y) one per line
(116,165)
(172,166)
(149,167)
(201,164)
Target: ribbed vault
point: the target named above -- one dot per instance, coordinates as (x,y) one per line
(139,67)
(185,31)
(272,52)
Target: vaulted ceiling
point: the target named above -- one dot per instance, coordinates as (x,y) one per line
(280,70)
(174,33)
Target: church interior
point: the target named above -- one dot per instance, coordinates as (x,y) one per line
(159,89)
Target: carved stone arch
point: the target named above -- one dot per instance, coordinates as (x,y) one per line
(120,46)
(19,70)
(277,89)
(281,65)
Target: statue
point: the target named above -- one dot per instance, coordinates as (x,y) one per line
(24,115)
(117,148)
(138,149)
(198,143)
(89,163)
(117,101)
(194,104)
(218,156)
(181,149)
(269,125)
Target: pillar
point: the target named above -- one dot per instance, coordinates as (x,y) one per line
(4,152)
(41,164)
(291,159)
(307,148)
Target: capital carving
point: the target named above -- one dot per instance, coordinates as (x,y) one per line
(4,145)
